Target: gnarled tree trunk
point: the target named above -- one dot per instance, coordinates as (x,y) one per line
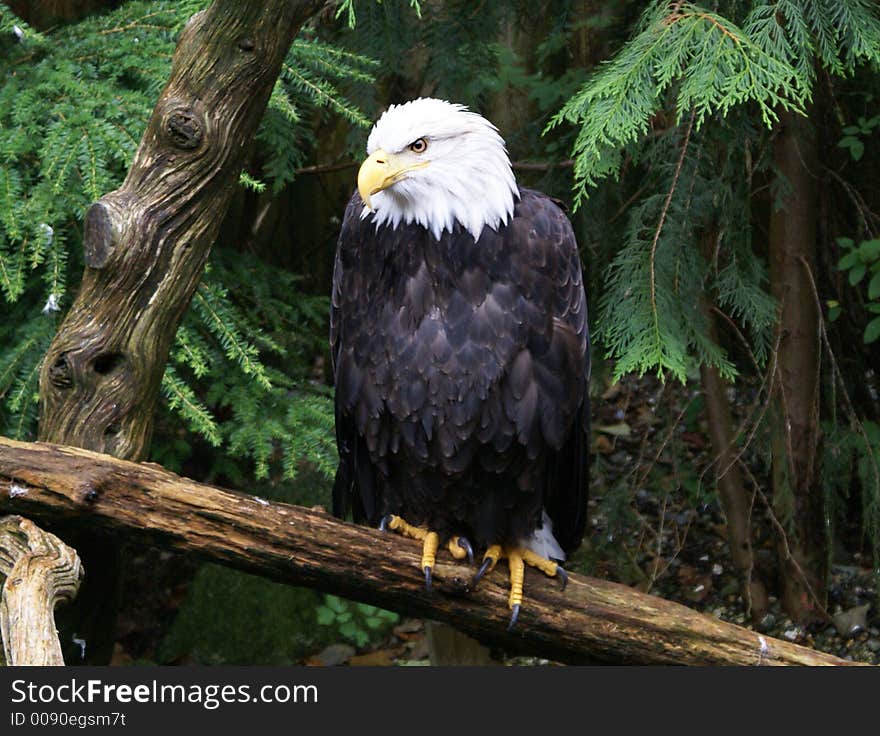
(147,242)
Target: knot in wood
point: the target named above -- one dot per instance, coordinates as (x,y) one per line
(61,374)
(246,44)
(184,129)
(457,586)
(88,493)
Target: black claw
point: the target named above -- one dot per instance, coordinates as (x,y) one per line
(466,546)
(562,575)
(428,578)
(514,615)
(487,563)
(383,525)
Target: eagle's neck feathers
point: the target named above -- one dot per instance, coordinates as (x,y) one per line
(467,180)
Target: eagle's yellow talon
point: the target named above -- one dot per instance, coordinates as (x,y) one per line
(408,530)
(490,559)
(429,549)
(548,567)
(458,547)
(429,556)
(517,559)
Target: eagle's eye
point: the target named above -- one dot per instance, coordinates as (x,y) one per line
(418,146)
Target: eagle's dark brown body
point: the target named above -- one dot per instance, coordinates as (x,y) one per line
(461,374)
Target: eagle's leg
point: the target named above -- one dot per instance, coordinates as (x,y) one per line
(459,547)
(517,559)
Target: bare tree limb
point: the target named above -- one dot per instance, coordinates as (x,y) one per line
(591,621)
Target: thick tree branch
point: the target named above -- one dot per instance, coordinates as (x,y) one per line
(591,621)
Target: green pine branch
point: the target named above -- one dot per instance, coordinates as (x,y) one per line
(684,57)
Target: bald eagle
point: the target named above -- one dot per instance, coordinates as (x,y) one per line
(460,349)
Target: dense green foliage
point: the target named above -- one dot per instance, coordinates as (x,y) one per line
(690,103)
(694,67)
(250,629)
(861,261)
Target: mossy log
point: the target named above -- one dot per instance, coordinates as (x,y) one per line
(40,572)
(591,621)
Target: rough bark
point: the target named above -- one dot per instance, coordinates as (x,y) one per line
(40,572)
(146,243)
(145,248)
(591,621)
(797,496)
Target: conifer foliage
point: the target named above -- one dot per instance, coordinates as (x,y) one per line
(690,83)
(693,103)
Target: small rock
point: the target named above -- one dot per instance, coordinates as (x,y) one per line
(717,569)
(730,590)
(873,645)
(791,634)
(852,621)
(408,626)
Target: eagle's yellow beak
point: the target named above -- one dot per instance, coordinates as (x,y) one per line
(381,170)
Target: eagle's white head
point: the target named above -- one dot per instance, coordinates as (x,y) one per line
(434,163)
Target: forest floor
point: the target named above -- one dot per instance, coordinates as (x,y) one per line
(654,523)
